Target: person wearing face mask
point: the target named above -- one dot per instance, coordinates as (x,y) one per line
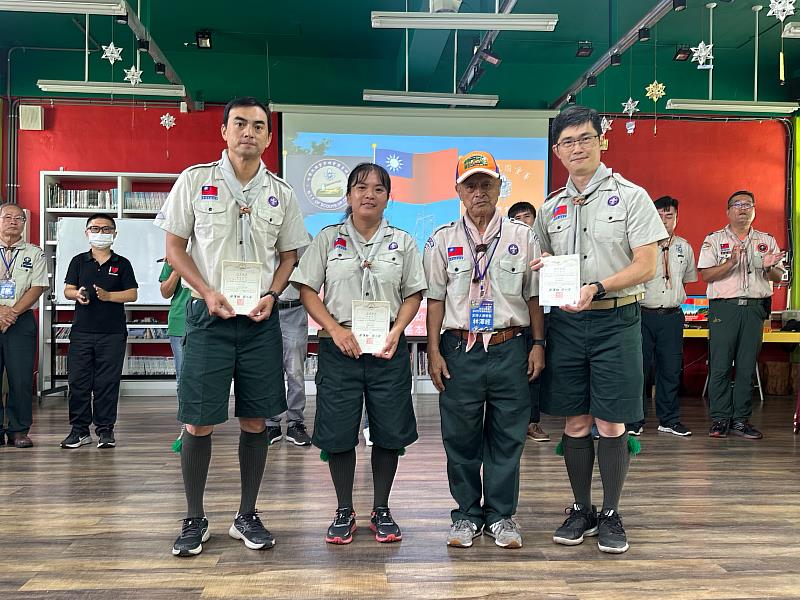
(363,258)
(100,282)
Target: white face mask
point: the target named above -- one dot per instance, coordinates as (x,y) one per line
(101,240)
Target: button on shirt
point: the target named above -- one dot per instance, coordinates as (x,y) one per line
(332,262)
(449,270)
(617,218)
(661,292)
(29,269)
(748,279)
(201,209)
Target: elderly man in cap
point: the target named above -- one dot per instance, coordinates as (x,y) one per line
(482,294)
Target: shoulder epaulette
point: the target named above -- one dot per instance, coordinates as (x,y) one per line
(440,227)
(620,179)
(200,166)
(555,193)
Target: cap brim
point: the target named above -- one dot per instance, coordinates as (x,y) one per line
(474,170)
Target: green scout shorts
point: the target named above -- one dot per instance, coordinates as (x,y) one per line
(594,364)
(217,351)
(345,384)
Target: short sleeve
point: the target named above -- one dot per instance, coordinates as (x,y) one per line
(311,269)
(690,276)
(177,215)
(644,224)
(708,254)
(166,271)
(128,277)
(293,234)
(413,272)
(434,264)
(774,249)
(39,273)
(531,286)
(540,233)
(74,271)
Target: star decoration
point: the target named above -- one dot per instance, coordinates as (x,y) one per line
(133,75)
(168,121)
(702,53)
(630,126)
(605,125)
(780,9)
(655,91)
(111,53)
(629,107)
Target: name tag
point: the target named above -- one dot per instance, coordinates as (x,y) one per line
(8,289)
(481,316)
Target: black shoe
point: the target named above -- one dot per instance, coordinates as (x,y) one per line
(635,428)
(297,434)
(580,522)
(743,428)
(249,528)
(76,440)
(719,429)
(106,440)
(612,535)
(274,434)
(676,428)
(193,533)
(343,527)
(382,523)
(3,438)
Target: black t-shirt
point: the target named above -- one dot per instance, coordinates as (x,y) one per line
(114,275)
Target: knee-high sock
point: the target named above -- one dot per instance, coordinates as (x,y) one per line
(195,458)
(384,467)
(579,460)
(613,458)
(343,470)
(252,460)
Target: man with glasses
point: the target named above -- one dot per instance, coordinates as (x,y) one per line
(740,265)
(23,278)
(100,282)
(594,347)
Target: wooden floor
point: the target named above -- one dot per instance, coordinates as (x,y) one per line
(705,519)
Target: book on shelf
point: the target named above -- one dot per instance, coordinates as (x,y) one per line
(150,201)
(58,197)
(134,365)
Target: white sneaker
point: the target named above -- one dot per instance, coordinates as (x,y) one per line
(366,436)
(462,533)
(506,533)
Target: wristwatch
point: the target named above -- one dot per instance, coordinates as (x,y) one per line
(272,293)
(601,290)
(538,342)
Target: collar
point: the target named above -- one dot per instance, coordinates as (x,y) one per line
(218,170)
(730,232)
(342,232)
(87,256)
(18,244)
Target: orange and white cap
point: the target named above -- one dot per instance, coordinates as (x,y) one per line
(476,162)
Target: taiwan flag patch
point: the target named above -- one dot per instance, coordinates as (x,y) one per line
(455,253)
(559,212)
(340,243)
(724,247)
(209,192)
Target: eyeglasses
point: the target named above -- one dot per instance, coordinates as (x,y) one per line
(742,205)
(583,142)
(95,229)
(484,186)
(14,219)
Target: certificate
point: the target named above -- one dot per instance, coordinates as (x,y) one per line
(560,280)
(241,285)
(370,325)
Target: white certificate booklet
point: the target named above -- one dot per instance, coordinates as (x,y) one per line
(370,325)
(241,285)
(560,280)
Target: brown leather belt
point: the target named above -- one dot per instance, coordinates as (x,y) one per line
(615,302)
(498,337)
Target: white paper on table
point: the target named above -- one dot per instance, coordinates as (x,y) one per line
(241,285)
(370,325)
(560,280)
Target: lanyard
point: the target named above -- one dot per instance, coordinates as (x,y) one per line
(481,275)
(9,265)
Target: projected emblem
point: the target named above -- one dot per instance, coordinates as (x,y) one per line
(325,184)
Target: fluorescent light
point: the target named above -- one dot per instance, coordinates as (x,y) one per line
(103,87)
(430,98)
(791,30)
(475,21)
(783,108)
(79,7)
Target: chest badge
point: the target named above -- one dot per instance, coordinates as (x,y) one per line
(513,249)
(613,200)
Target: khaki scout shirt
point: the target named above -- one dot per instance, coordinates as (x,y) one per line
(615,219)
(28,270)
(748,279)
(660,293)
(201,209)
(332,261)
(449,270)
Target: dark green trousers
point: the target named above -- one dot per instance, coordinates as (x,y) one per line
(17,352)
(485,409)
(662,347)
(734,337)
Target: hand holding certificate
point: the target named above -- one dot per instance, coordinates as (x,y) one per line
(241,285)
(370,325)
(560,280)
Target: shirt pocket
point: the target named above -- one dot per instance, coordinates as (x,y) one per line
(510,274)
(389,269)
(609,225)
(210,217)
(268,221)
(459,273)
(560,233)
(341,265)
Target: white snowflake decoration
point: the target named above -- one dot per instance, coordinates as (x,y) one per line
(133,75)
(780,9)
(702,53)
(630,126)
(605,125)
(630,107)
(168,121)
(111,53)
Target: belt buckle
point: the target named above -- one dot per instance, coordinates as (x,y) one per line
(742,301)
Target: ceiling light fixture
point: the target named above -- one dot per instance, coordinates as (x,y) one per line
(584,49)
(591,81)
(791,30)
(682,53)
(203,39)
(644,34)
(678,5)
(102,87)
(121,19)
(490,58)
(430,98)
(616,59)
(143,45)
(161,68)
(471,21)
(783,108)
(78,7)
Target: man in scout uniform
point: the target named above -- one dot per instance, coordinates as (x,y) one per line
(235,213)
(662,321)
(740,264)
(482,294)
(594,348)
(23,278)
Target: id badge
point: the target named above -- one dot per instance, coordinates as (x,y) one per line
(8,288)
(481,316)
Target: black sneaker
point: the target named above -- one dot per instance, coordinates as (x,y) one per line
(580,522)
(343,527)
(274,434)
(249,528)
(76,440)
(719,429)
(612,535)
(635,428)
(193,533)
(106,440)
(743,428)
(382,523)
(676,428)
(297,434)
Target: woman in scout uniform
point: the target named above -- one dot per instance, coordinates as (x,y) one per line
(362,259)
